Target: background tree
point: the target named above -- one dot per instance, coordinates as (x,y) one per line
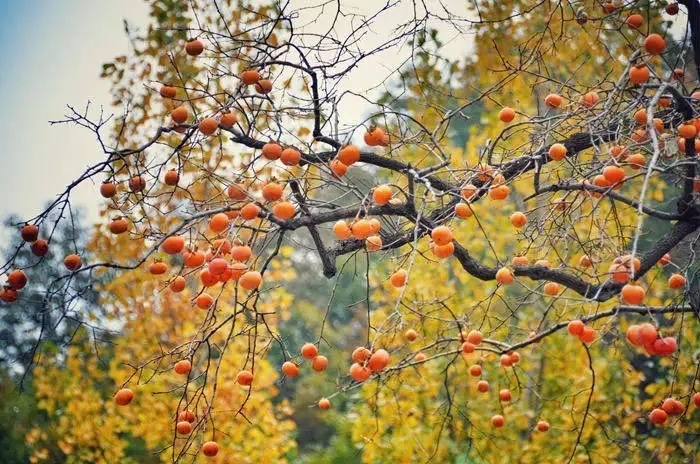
(507,236)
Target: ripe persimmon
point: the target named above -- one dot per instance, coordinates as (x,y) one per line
(342,231)
(676,281)
(468,348)
(171,177)
(463,210)
(210,449)
(634,21)
(441,235)
(382,194)
(205,300)
(633,294)
(475,370)
(636,161)
(614,174)
(518,219)
(263,86)
(504,395)
(173,245)
(290,156)
(184,427)
(575,327)
(40,247)
(217,266)
(179,115)
(687,130)
(108,189)
(17,279)
(654,44)
(500,192)
(29,233)
(284,210)
(244,378)
(361,354)
(194,47)
(137,183)
(482,386)
(324,404)
(504,276)
(658,416)
(272,191)
(359,373)
(553,100)
(444,251)
(520,260)
(361,229)
(236,270)
(379,360)
(410,335)
(250,211)
(398,279)
(319,363)
(208,126)
(542,426)
(250,76)
(506,360)
(271,151)
(665,346)
(8,295)
(673,407)
(376,136)
(506,114)
(590,99)
(290,369)
(190,258)
(167,91)
(124,396)
(585,261)
(118,226)
(420,357)
(309,351)
(182,367)
(250,280)
(177,284)
(469,190)
(475,337)
(551,289)
(218,223)
(348,155)
(373,243)
(639,74)
(498,421)
(338,167)
(557,152)
(227,119)
(72,262)
(374,225)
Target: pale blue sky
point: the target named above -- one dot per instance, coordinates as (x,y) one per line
(53,51)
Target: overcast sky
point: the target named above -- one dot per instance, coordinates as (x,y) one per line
(53,51)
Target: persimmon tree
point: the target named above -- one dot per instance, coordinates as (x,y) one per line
(522,222)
